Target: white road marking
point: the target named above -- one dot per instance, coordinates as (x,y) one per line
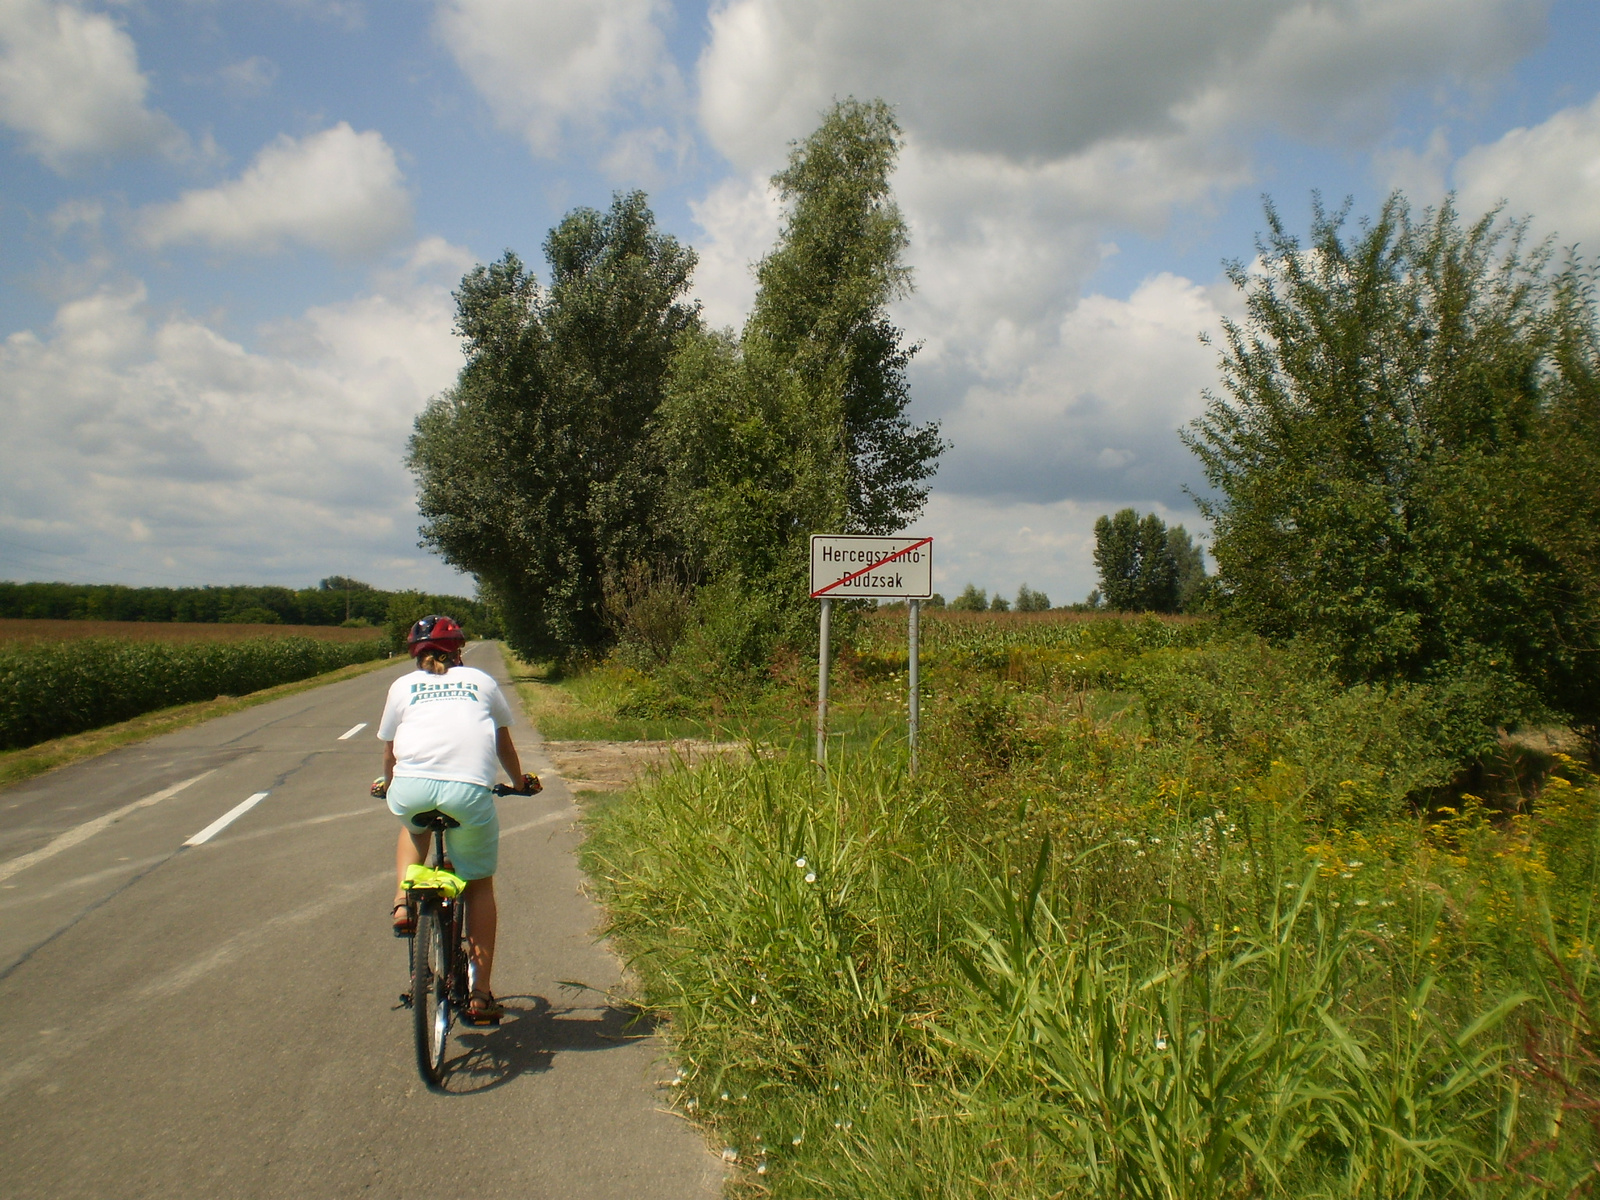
(571,811)
(226,819)
(88,829)
(352,731)
(106,1019)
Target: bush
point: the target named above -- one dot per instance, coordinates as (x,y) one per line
(52,690)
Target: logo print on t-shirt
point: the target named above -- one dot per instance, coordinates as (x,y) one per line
(456,689)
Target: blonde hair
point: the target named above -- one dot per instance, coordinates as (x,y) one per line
(435,662)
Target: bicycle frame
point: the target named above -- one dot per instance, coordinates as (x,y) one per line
(438,914)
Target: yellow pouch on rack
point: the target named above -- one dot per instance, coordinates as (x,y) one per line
(419,876)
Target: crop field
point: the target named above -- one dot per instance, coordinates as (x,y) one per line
(1165,913)
(50,689)
(13,630)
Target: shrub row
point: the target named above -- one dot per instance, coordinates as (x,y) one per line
(53,690)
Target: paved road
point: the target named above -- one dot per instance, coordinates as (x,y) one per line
(220,1020)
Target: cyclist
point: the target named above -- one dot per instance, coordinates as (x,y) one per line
(443,728)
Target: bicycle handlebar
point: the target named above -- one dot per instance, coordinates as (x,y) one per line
(530,787)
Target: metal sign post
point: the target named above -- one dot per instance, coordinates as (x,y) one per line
(913,682)
(822,684)
(877,567)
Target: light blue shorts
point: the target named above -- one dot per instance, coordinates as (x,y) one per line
(474,849)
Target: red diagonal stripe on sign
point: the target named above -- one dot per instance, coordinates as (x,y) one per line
(886,559)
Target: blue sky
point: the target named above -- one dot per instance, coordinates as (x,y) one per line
(228,232)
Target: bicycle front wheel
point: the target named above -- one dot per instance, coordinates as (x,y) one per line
(432,1012)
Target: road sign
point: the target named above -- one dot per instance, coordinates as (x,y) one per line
(850,567)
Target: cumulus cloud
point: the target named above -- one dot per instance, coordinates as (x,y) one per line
(1046,79)
(223,462)
(1036,132)
(338,190)
(739,220)
(550,69)
(1091,414)
(71,87)
(1550,172)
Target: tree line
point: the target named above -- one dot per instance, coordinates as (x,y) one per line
(336,600)
(613,470)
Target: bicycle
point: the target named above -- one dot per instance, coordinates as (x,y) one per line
(440,962)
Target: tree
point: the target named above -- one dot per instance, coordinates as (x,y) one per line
(1398,456)
(800,425)
(1190,563)
(535,472)
(999,604)
(972,599)
(1029,600)
(1138,570)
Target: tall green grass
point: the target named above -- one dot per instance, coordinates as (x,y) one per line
(50,690)
(1183,937)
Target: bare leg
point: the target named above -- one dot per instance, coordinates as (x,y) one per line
(483,919)
(411,850)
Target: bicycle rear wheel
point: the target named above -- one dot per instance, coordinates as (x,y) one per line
(432,1012)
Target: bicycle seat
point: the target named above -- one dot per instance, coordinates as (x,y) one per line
(434,819)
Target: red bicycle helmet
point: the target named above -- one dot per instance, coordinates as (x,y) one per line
(437,633)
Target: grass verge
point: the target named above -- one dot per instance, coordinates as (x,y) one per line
(16,766)
(602,704)
(1164,915)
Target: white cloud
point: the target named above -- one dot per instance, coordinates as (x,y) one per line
(1092,412)
(71,87)
(337,190)
(1046,79)
(552,69)
(1037,131)
(1419,174)
(281,464)
(739,218)
(249,78)
(1550,172)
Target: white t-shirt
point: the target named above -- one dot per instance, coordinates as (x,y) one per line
(443,726)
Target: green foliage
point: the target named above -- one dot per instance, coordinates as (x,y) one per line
(1138,562)
(799,425)
(1401,458)
(331,602)
(407,608)
(50,690)
(1029,600)
(972,599)
(1153,921)
(253,616)
(599,431)
(534,472)
(821,311)
(1189,561)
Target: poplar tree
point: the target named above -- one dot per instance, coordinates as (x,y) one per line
(799,424)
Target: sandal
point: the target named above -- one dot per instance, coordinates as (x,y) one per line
(482,1009)
(405,921)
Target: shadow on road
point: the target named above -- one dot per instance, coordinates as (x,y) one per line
(529,1037)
